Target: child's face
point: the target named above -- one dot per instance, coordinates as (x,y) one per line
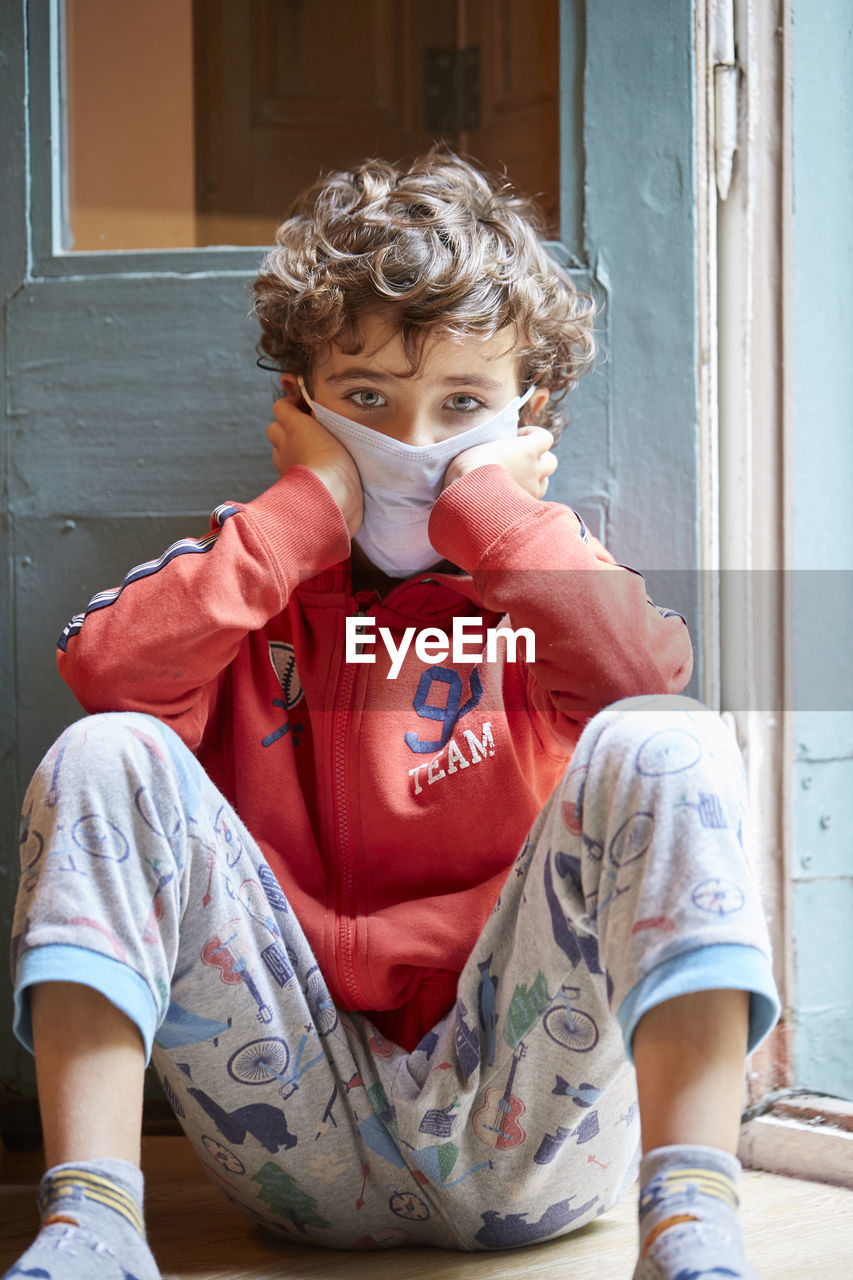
(460,383)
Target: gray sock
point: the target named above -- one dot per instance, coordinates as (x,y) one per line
(92,1228)
(689,1228)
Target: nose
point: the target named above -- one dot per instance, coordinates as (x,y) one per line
(416,429)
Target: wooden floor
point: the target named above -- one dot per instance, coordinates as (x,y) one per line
(794,1231)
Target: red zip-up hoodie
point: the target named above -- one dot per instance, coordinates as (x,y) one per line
(390,810)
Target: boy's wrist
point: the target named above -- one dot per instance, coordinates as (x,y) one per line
(347,498)
(526,458)
(476,510)
(458,468)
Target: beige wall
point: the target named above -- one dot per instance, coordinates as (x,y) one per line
(130,124)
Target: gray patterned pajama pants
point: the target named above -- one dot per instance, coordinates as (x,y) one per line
(515,1118)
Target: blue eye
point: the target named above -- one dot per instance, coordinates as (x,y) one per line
(367,399)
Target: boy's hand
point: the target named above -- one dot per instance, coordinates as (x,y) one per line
(526,457)
(298,439)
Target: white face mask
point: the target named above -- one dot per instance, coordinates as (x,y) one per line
(402,481)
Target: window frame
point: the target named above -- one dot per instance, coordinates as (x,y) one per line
(50,256)
(48,221)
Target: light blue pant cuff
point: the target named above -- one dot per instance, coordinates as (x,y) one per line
(724,966)
(58,962)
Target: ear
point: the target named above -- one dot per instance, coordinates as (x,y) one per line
(290,386)
(535,405)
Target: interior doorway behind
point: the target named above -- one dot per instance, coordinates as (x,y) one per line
(196,122)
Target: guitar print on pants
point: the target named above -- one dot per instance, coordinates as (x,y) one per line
(496,1123)
(233,968)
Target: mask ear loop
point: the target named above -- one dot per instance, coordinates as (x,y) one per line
(305,396)
(274,368)
(523,400)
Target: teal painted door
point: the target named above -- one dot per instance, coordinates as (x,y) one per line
(132,405)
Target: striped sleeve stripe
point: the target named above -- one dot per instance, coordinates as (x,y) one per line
(667,613)
(185,546)
(658,608)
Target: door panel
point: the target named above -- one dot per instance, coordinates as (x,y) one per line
(65,559)
(277,101)
(133,396)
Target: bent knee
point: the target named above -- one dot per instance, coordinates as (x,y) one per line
(117,742)
(108,730)
(663,732)
(658,704)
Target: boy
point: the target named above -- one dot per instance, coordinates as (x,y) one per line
(377,1020)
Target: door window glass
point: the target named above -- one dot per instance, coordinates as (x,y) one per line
(196,122)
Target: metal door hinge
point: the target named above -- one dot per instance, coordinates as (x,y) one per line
(452,82)
(725,71)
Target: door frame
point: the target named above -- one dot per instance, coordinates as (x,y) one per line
(746,273)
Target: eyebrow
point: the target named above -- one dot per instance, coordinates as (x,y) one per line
(452,380)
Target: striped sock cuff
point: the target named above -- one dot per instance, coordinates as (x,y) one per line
(64,1187)
(687,1183)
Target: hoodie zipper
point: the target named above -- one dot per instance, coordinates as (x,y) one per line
(346,949)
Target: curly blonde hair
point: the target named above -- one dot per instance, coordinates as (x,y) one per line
(437,245)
